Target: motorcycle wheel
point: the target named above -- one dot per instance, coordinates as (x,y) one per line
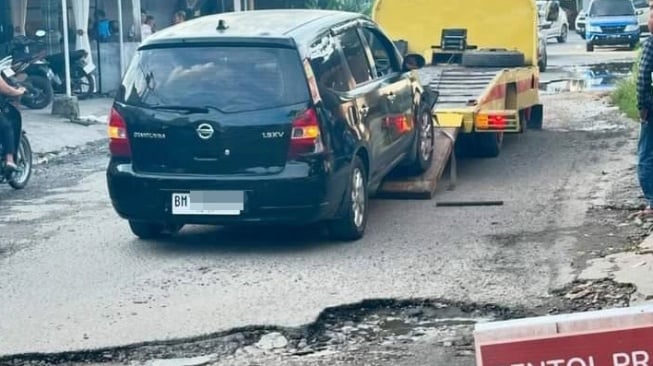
(42,88)
(83,84)
(19,179)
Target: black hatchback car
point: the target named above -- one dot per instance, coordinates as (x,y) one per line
(271,116)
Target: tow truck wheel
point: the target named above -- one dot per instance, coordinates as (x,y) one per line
(488,144)
(589,47)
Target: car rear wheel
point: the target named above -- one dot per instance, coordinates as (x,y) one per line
(589,47)
(152,230)
(351,225)
(563,34)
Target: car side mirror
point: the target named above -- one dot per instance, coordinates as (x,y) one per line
(413,61)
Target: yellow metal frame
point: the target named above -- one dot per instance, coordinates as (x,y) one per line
(509,24)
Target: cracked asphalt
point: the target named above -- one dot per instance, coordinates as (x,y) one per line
(73,277)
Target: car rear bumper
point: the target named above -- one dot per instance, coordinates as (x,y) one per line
(292,197)
(601,39)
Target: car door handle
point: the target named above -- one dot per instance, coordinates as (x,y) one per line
(364,110)
(391,96)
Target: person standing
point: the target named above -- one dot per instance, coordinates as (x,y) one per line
(645,107)
(148,27)
(179,17)
(192,8)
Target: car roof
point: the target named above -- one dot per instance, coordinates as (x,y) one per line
(300,25)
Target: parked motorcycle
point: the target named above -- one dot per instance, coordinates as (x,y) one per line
(23,157)
(82,83)
(32,70)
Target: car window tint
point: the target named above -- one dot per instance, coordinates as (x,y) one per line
(328,65)
(354,52)
(612,8)
(385,61)
(640,3)
(232,79)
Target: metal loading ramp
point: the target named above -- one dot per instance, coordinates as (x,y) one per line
(423,186)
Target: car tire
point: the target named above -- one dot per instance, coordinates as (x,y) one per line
(352,222)
(589,47)
(152,230)
(44,86)
(536,117)
(563,34)
(488,144)
(542,65)
(632,46)
(493,58)
(422,155)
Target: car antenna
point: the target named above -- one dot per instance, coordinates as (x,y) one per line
(222,25)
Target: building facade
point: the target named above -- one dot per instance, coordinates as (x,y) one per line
(95,25)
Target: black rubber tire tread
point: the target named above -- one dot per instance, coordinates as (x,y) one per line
(91,85)
(493,58)
(28,149)
(418,165)
(45,85)
(344,228)
(487,144)
(146,230)
(536,117)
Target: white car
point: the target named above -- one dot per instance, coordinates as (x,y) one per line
(642,10)
(542,56)
(554,20)
(580,23)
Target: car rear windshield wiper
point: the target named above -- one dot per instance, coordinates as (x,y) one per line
(189,109)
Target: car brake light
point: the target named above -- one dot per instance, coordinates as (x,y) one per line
(305,137)
(118,140)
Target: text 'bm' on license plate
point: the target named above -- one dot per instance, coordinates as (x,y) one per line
(208,203)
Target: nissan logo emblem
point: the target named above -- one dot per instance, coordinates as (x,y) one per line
(205,131)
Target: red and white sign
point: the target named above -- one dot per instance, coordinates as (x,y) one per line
(615,337)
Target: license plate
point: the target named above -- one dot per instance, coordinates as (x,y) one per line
(89,69)
(225,203)
(8,72)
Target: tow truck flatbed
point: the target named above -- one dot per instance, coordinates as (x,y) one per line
(485,75)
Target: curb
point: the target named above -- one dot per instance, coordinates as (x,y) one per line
(45,158)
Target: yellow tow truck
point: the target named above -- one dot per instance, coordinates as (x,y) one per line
(482,61)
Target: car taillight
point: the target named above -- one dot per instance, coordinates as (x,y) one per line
(305,137)
(118,140)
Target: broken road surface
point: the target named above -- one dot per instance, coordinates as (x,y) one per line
(73,276)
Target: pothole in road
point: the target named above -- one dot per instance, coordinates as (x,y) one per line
(599,77)
(380,325)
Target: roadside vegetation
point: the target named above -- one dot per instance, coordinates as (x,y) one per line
(356,6)
(625,94)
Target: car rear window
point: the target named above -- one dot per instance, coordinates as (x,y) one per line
(231,79)
(612,8)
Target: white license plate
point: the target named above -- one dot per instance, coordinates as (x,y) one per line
(227,203)
(89,69)
(8,72)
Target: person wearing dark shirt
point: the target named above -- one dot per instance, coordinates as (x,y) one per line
(645,107)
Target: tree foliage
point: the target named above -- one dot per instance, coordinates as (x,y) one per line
(356,6)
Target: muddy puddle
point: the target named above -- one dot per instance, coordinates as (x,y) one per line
(598,77)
